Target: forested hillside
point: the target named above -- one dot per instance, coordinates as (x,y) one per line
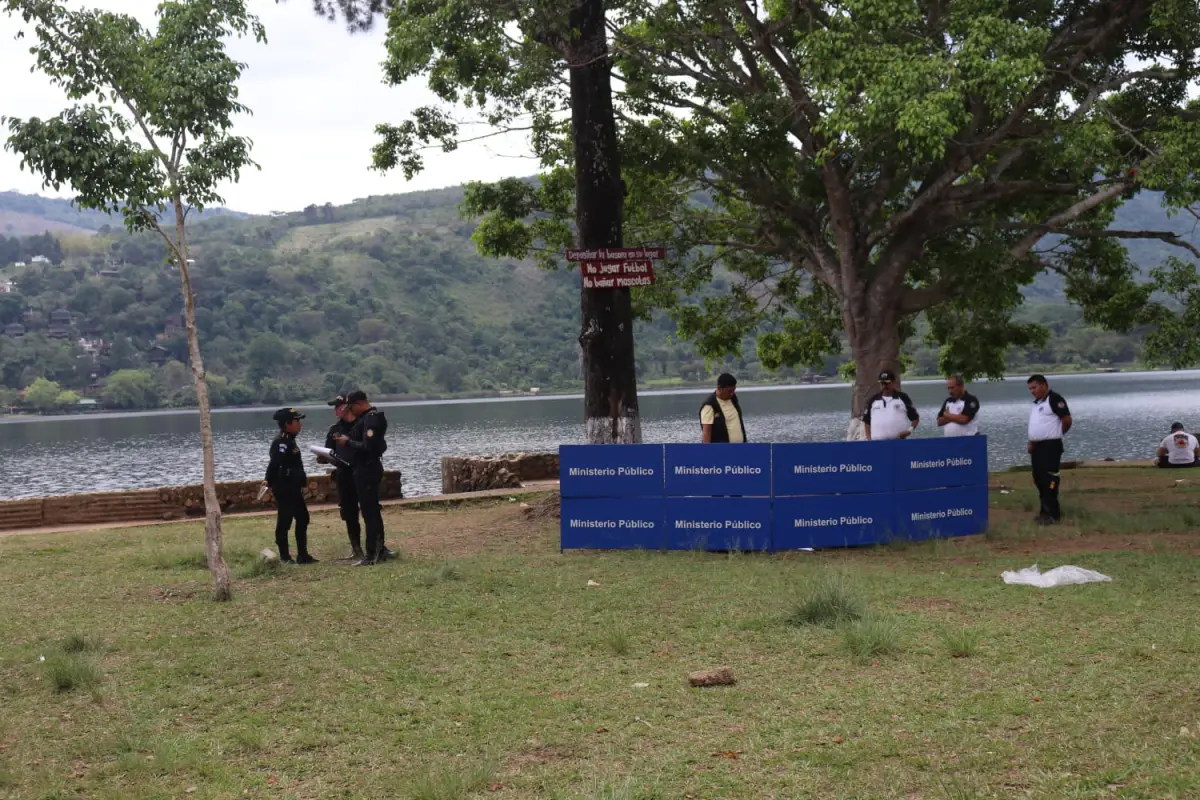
(387,293)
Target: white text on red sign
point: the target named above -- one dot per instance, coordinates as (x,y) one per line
(617,267)
(617,281)
(615,254)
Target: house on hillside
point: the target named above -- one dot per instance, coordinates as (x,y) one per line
(14,329)
(7,287)
(158,355)
(40,260)
(18,263)
(60,324)
(91,345)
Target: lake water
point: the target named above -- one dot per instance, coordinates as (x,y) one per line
(1120,416)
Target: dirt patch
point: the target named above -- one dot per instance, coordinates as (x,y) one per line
(173,594)
(1180,543)
(548,507)
(503,527)
(544,754)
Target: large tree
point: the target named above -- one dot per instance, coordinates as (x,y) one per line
(868,161)
(508,59)
(149,137)
(851,165)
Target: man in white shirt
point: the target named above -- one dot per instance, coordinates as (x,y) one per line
(890,413)
(957,416)
(721,415)
(1049,420)
(1179,450)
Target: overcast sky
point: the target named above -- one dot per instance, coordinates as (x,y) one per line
(314,116)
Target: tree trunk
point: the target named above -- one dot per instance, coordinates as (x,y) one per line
(610,404)
(874,340)
(222,590)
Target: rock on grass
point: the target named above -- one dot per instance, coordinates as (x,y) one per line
(718,676)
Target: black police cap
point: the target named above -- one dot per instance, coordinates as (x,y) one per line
(340,400)
(356,396)
(287,415)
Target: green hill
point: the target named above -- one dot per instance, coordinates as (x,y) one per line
(388,293)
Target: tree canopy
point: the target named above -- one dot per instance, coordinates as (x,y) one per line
(851,164)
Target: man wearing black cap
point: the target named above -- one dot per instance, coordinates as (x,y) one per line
(286,478)
(343,478)
(890,413)
(1179,450)
(721,415)
(366,446)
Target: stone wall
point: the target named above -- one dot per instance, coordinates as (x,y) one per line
(503,471)
(167,503)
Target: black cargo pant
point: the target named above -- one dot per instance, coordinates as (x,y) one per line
(348,504)
(290,505)
(1047,461)
(367,478)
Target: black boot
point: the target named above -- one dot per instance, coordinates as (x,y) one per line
(305,558)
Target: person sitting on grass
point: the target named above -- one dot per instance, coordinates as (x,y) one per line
(1179,450)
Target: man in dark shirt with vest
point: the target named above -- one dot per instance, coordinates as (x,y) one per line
(957,416)
(890,413)
(343,477)
(1049,420)
(286,478)
(366,445)
(721,415)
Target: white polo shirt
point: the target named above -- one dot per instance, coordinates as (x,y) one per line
(1045,418)
(967,404)
(1181,447)
(889,416)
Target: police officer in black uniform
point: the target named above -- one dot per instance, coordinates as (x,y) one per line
(343,478)
(286,479)
(366,445)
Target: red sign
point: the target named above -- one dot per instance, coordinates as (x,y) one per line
(606,254)
(605,268)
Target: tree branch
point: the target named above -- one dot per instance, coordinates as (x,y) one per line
(1092,233)
(1022,248)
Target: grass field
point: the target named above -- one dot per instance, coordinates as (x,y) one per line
(484,665)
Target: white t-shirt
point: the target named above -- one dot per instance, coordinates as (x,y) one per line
(1181,447)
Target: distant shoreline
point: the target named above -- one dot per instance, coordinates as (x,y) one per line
(646,389)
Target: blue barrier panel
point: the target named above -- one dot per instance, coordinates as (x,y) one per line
(719,523)
(938,463)
(718,470)
(608,524)
(610,470)
(832,468)
(832,521)
(940,513)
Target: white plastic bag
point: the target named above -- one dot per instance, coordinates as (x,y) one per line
(1059,576)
